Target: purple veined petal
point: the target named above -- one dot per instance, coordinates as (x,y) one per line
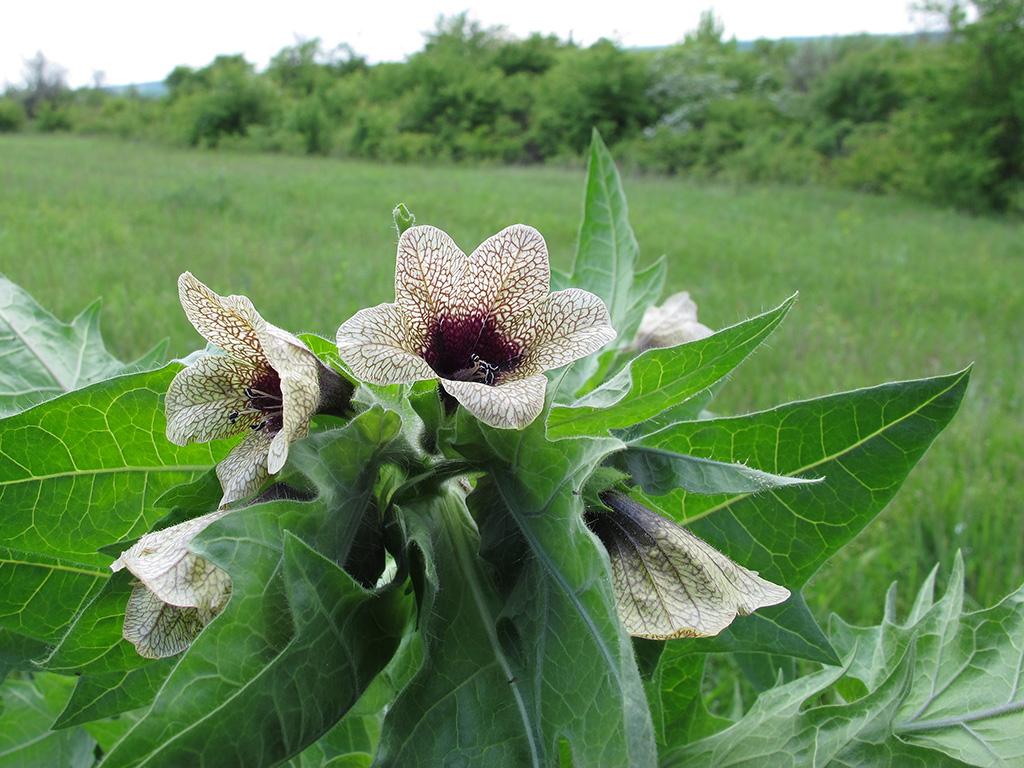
(243,470)
(377,345)
(507,273)
(563,327)
(229,322)
(161,560)
(204,401)
(512,405)
(428,268)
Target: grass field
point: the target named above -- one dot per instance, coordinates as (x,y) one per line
(889,290)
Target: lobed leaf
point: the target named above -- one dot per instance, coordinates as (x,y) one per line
(110,693)
(572,666)
(44,358)
(943,688)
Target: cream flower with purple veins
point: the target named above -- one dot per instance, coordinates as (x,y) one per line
(484,324)
(668,582)
(178,592)
(674,322)
(267,384)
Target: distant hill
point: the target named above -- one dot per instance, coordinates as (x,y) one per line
(152,90)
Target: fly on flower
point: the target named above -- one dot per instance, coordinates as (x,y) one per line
(484,324)
(267,385)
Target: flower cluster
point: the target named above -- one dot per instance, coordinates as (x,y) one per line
(487,327)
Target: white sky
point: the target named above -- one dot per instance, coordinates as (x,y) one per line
(142,41)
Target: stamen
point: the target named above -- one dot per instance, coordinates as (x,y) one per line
(252,393)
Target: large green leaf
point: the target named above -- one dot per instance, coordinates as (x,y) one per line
(77,473)
(863,443)
(942,688)
(43,357)
(965,697)
(467,702)
(606,260)
(676,698)
(100,696)
(299,640)
(27,708)
(661,378)
(352,742)
(557,632)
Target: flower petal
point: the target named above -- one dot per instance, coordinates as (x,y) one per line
(507,406)
(202,397)
(668,582)
(507,273)
(428,267)
(299,372)
(377,345)
(674,322)
(158,630)
(565,326)
(229,322)
(161,560)
(242,472)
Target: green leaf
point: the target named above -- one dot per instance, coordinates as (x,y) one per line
(299,640)
(18,652)
(606,259)
(44,358)
(864,443)
(662,378)
(675,696)
(547,607)
(943,688)
(77,473)
(353,740)
(29,705)
(965,697)
(660,470)
(104,695)
(93,643)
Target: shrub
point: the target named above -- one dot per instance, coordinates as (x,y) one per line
(12,115)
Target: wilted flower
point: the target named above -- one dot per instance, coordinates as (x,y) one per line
(669,583)
(267,384)
(674,322)
(484,324)
(178,592)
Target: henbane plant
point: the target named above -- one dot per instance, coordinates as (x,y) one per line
(488,524)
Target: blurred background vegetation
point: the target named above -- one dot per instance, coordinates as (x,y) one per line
(938,116)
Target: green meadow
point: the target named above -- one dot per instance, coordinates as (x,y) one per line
(889,289)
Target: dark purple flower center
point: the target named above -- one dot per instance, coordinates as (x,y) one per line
(470,349)
(264,404)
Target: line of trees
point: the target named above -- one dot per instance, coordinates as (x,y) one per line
(938,116)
